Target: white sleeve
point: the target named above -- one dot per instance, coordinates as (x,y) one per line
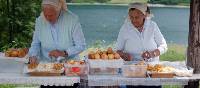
(160,40)
(121,40)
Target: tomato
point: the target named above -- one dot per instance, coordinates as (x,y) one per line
(75,69)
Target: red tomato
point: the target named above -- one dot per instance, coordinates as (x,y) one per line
(75,69)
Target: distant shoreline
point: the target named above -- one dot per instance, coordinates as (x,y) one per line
(151,5)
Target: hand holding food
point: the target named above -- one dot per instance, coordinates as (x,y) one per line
(33,60)
(57,53)
(150,54)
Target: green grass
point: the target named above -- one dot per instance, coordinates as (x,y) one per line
(172,86)
(175,53)
(7,86)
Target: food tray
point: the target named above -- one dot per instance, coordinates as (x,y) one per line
(44,73)
(35,72)
(161,75)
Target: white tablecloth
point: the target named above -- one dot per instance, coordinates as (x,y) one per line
(99,80)
(11,78)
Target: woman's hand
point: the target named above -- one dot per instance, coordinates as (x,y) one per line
(33,60)
(125,56)
(151,54)
(146,55)
(57,53)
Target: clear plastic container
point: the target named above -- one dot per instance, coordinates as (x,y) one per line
(131,69)
(99,63)
(76,69)
(104,71)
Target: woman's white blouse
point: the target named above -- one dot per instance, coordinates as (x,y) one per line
(132,41)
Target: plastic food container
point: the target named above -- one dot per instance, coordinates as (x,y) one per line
(76,69)
(99,63)
(104,71)
(132,69)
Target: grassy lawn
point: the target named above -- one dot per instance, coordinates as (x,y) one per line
(175,53)
(17,86)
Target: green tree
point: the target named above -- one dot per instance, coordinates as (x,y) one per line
(17,18)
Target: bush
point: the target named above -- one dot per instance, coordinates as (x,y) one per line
(17,22)
(175,53)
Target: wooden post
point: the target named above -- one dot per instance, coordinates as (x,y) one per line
(193,55)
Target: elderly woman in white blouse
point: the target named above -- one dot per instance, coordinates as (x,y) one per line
(58,33)
(140,37)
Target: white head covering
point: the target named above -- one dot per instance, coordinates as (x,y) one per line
(57,3)
(139,6)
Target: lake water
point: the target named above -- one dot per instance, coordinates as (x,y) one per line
(103,22)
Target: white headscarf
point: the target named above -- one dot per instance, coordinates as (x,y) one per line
(60,4)
(139,6)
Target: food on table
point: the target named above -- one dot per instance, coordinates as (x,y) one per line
(109,54)
(46,67)
(21,52)
(160,68)
(57,66)
(97,56)
(99,52)
(75,69)
(109,50)
(116,56)
(71,62)
(82,62)
(104,56)
(91,55)
(32,66)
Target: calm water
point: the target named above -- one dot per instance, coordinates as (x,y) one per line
(104,22)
